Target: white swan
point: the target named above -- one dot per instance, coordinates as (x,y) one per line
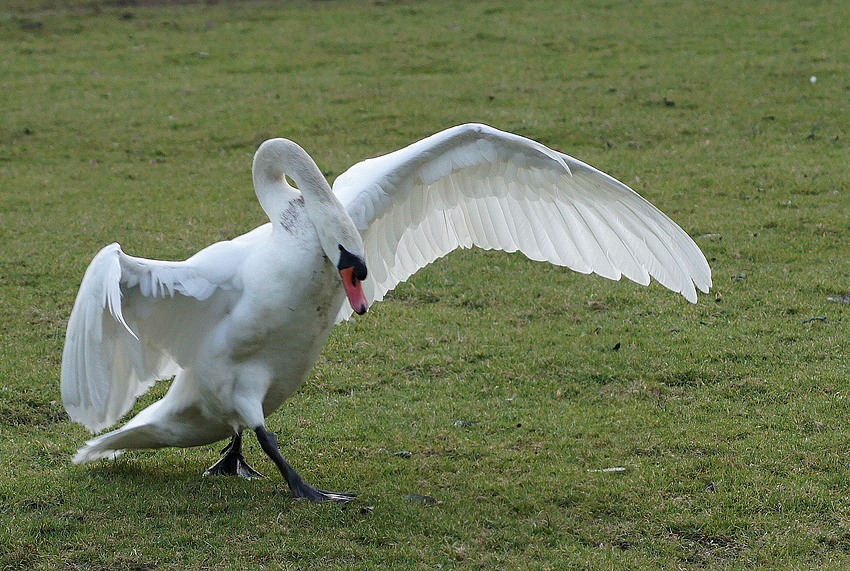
(240,323)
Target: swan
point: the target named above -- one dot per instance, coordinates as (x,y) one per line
(239,324)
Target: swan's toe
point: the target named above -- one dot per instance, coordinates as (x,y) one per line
(308,493)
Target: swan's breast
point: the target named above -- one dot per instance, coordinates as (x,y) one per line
(292,294)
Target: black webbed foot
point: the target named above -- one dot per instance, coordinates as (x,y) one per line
(309,493)
(232,463)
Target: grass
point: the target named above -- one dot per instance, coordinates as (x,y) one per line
(488,383)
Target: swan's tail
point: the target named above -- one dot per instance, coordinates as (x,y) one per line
(112,444)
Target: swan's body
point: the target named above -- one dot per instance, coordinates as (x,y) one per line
(240,323)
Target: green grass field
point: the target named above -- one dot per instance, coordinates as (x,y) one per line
(488,382)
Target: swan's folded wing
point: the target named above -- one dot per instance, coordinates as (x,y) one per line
(136,320)
(474,185)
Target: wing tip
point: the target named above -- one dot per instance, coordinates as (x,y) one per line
(701,283)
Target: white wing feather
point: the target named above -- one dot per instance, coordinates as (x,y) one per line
(474,185)
(135,320)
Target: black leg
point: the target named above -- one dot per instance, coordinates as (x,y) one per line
(301,490)
(232,462)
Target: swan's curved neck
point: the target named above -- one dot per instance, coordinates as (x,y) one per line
(274,161)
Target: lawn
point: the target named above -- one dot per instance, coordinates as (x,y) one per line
(493,412)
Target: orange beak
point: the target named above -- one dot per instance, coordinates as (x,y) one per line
(354,290)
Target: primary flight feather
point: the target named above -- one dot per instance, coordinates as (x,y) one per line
(239,324)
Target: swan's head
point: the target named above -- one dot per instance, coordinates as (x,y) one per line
(352,270)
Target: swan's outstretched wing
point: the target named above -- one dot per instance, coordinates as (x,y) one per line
(475,185)
(136,321)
